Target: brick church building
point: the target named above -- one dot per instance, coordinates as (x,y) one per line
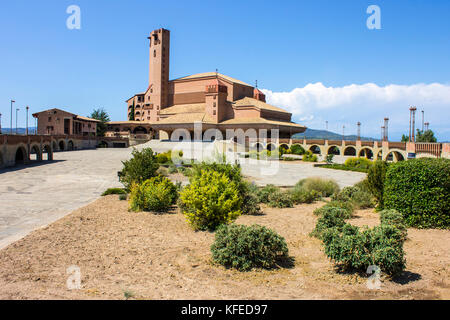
(211,99)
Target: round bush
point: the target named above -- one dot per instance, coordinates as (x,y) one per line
(325,187)
(141,167)
(362,163)
(211,199)
(297,149)
(280,199)
(247,247)
(420,190)
(157,194)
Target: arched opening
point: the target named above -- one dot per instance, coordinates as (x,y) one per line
(366,153)
(47,153)
(350,151)
(54,146)
(1,159)
(315,149)
(70,145)
(271,147)
(62,146)
(140,130)
(258,147)
(21,155)
(35,153)
(394,156)
(334,150)
(284,146)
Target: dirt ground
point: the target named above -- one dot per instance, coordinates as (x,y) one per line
(147,256)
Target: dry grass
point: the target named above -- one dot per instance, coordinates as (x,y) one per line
(160,257)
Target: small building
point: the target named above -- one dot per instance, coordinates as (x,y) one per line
(59,122)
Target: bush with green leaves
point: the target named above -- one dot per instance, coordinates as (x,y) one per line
(345,205)
(297,149)
(114,191)
(329,158)
(157,194)
(352,248)
(123,197)
(141,167)
(362,163)
(233,172)
(162,158)
(376,177)
(250,200)
(308,156)
(263,193)
(211,199)
(173,169)
(280,199)
(394,218)
(331,217)
(360,198)
(420,190)
(325,187)
(247,247)
(299,195)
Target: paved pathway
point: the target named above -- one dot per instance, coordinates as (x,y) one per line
(34,196)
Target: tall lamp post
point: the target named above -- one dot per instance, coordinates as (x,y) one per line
(28,108)
(17,110)
(10,128)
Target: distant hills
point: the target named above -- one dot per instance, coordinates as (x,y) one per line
(19,130)
(323,134)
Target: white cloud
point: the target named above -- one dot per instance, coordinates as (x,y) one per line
(368,103)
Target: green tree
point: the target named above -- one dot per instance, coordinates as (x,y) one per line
(101,115)
(405,138)
(131,115)
(425,136)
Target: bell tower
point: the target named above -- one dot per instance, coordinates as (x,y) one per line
(159,70)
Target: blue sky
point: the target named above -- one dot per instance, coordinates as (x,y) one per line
(315,58)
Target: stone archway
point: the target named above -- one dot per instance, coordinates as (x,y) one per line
(46,150)
(62,145)
(271,147)
(258,146)
(70,145)
(315,149)
(54,146)
(350,151)
(334,150)
(394,156)
(140,130)
(35,153)
(1,159)
(21,156)
(366,153)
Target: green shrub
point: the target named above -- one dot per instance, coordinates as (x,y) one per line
(345,205)
(329,158)
(299,195)
(352,248)
(376,177)
(263,193)
(325,187)
(247,247)
(123,197)
(157,194)
(309,157)
(394,218)
(337,166)
(141,167)
(162,158)
(331,217)
(359,198)
(114,191)
(362,163)
(297,149)
(250,200)
(420,190)
(211,199)
(280,199)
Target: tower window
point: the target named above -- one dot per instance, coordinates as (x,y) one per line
(154,53)
(214,112)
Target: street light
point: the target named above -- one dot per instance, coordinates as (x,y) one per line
(17,110)
(27,118)
(10,128)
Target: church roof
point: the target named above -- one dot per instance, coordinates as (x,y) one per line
(247,101)
(213,74)
(261,121)
(184,108)
(187,118)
